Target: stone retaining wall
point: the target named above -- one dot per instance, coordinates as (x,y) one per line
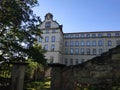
(102,72)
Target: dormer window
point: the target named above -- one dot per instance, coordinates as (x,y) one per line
(47,24)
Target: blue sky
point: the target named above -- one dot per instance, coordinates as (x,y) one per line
(82,15)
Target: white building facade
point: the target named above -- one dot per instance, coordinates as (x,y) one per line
(74,48)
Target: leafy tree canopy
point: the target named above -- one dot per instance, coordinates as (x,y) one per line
(19,27)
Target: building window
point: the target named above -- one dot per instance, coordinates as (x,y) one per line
(82,51)
(108,34)
(46,47)
(66,43)
(100,50)
(66,50)
(71,51)
(93,43)
(47,24)
(117,34)
(67,36)
(82,60)
(71,43)
(53,31)
(66,61)
(53,38)
(76,61)
(82,43)
(88,43)
(46,39)
(77,51)
(71,36)
(100,35)
(109,43)
(93,35)
(118,42)
(77,36)
(51,59)
(52,47)
(40,39)
(87,35)
(94,52)
(47,31)
(82,35)
(88,51)
(76,43)
(71,61)
(100,43)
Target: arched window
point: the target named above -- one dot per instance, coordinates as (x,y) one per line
(47,24)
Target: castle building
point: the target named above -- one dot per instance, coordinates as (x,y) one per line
(74,48)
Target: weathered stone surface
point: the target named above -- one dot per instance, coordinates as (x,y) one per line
(102,72)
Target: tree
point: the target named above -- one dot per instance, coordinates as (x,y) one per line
(34,71)
(19,27)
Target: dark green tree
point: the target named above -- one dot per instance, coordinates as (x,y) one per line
(19,27)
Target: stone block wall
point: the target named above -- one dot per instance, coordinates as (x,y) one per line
(102,72)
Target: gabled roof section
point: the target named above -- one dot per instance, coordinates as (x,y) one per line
(54,24)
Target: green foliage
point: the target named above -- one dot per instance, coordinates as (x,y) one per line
(5,70)
(34,71)
(19,27)
(45,85)
(34,86)
(92,87)
(36,53)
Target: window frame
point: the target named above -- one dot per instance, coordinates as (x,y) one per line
(47,24)
(71,51)
(71,43)
(82,51)
(94,43)
(76,50)
(109,43)
(46,38)
(53,39)
(88,51)
(100,43)
(52,47)
(77,43)
(82,43)
(46,46)
(87,43)
(94,51)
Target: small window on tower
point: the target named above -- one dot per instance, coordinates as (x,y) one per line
(47,24)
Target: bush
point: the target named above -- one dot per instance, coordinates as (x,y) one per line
(38,85)
(31,89)
(34,86)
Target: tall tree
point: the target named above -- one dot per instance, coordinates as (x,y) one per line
(19,27)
